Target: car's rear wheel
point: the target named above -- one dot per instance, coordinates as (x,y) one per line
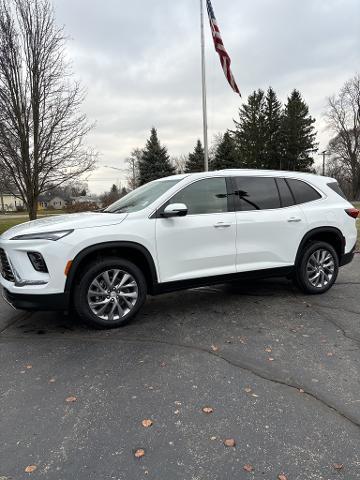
(318,268)
(110,293)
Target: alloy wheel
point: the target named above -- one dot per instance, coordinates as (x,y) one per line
(112,294)
(320,268)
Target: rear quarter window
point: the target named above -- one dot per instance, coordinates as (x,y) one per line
(303,192)
(336,188)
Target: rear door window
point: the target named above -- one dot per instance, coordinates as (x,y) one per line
(303,192)
(256,193)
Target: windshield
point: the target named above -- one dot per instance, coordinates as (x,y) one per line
(142,197)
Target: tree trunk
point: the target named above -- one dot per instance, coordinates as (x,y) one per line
(32,208)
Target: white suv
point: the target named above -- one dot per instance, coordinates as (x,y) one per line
(180,232)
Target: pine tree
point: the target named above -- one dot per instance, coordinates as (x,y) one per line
(155,161)
(273,131)
(225,154)
(299,134)
(249,131)
(196,160)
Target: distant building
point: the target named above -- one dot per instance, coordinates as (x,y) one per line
(10,203)
(86,199)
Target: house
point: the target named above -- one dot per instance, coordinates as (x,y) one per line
(52,201)
(86,199)
(57,203)
(10,203)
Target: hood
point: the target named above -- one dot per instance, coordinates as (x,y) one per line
(72,221)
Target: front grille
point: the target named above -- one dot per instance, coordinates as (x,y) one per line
(5,267)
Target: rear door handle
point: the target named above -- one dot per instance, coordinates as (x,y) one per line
(294,220)
(222,225)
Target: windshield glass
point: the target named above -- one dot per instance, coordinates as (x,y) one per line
(142,197)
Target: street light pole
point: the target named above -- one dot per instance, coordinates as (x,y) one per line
(324,154)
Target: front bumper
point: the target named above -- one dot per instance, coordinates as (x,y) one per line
(21,301)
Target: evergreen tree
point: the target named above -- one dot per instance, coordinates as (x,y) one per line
(299,135)
(196,160)
(273,131)
(249,131)
(155,161)
(225,154)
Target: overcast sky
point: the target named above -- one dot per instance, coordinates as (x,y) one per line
(140,63)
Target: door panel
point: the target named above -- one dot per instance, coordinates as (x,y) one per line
(268,238)
(269,224)
(202,243)
(196,246)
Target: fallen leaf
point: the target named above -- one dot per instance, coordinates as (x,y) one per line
(248,390)
(139,453)
(338,466)
(248,468)
(28,367)
(30,468)
(268,350)
(70,399)
(229,442)
(282,476)
(208,410)
(214,348)
(147,423)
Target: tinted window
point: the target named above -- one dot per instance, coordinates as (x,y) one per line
(335,186)
(285,194)
(205,196)
(302,192)
(257,193)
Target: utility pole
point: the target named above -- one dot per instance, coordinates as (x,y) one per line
(324,154)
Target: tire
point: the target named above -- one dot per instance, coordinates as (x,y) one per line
(318,268)
(109,293)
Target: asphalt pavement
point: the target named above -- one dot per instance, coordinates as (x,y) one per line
(277,370)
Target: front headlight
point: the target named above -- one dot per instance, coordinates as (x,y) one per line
(54,236)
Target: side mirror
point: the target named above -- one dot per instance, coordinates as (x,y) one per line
(175,210)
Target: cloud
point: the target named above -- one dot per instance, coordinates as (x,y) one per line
(140,62)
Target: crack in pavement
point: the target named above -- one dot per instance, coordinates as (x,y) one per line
(330,320)
(243,366)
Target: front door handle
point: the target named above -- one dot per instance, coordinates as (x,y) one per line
(222,225)
(294,220)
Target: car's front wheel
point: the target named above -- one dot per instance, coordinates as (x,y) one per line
(110,293)
(318,267)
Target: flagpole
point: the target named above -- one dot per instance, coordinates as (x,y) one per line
(204,99)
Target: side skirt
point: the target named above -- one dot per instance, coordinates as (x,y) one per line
(167,287)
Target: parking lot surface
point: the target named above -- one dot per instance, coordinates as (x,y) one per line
(278,371)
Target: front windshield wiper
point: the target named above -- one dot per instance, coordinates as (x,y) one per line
(121,209)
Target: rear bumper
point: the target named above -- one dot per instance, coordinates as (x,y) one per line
(347,258)
(37,302)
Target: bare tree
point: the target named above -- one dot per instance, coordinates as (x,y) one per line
(179,163)
(41,127)
(343,119)
(133,168)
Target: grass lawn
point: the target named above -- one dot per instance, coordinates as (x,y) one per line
(10,222)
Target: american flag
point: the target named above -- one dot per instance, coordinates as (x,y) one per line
(219,47)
